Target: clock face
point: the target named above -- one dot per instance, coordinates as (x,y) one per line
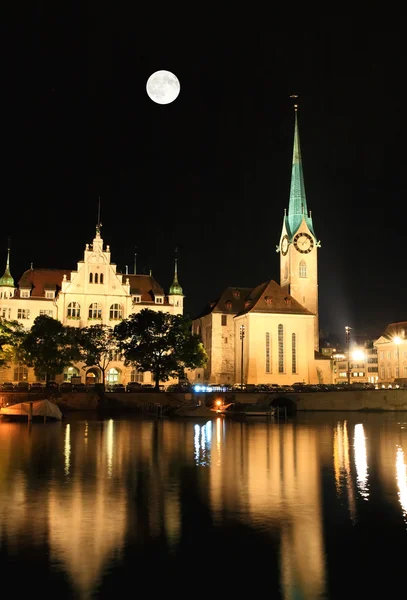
(284,245)
(303,243)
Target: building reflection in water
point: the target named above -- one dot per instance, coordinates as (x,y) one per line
(361,461)
(401,471)
(342,466)
(102,486)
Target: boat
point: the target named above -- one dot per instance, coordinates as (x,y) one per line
(36,410)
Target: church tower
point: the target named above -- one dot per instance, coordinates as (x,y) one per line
(298,244)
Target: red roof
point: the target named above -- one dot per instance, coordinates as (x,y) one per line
(39,280)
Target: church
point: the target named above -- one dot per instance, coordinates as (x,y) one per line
(270,334)
(94,293)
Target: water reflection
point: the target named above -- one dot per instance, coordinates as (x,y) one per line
(93,497)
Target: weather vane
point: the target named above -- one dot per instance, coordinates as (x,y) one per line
(294,96)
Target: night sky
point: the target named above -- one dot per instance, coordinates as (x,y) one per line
(209,173)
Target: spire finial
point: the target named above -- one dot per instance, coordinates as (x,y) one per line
(7,279)
(175,287)
(135,260)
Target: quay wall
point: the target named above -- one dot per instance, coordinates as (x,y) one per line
(355,400)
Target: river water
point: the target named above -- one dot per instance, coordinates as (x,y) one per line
(308,509)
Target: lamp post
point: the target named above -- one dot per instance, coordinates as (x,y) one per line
(397,341)
(242,333)
(347,339)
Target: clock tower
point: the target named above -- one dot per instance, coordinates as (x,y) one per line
(298,244)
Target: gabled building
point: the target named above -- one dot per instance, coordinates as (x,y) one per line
(269,334)
(391,349)
(92,293)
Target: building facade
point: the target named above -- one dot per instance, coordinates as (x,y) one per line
(269,334)
(94,293)
(392,355)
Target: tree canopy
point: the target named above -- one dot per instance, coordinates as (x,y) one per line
(97,346)
(11,336)
(161,343)
(49,347)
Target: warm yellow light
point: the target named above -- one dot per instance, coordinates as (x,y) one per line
(358,355)
(397,340)
(218,402)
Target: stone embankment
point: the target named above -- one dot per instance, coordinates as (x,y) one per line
(355,400)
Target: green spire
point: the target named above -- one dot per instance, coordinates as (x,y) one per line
(175,288)
(297,208)
(7,280)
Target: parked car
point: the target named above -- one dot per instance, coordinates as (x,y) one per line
(79,387)
(36,387)
(133,386)
(66,386)
(7,387)
(118,388)
(22,386)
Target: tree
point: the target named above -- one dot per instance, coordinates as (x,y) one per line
(11,336)
(49,347)
(161,343)
(97,346)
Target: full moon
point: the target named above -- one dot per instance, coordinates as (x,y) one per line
(163,87)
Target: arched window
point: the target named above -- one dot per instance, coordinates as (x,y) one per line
(137,376)
(20,373)
(280,349)
(113,376)
(96,278)
(101,278)
(116,312)
(74,310)
(303,269)
(90,277)
(95,311)
(70,372)
(294,353)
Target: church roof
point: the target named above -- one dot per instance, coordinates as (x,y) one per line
(269,297)
(39,280)
(297,208)
(145,286)
(231,301)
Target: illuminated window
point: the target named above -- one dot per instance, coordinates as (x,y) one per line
(280,349)
(224,320)
(74,310)
(90,277)
(268,362)
(159,300)
(95,311)
(116,312)
(228,305)
(96,278)
(294,353)
(236,293)
(20,373)
(136,299)
(23,313)
(48,313)
(24,294)
(303,269)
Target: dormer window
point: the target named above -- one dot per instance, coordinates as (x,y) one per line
(268,300)
(228,305)
(49,295)
(24,293)
(136,299)
(159,300)
(287,301)
(236,293)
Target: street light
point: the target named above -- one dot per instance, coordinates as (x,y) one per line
(347,339)
(242,333)
(397,340)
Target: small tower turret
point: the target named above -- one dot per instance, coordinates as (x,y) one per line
(7,287)
(176,295)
